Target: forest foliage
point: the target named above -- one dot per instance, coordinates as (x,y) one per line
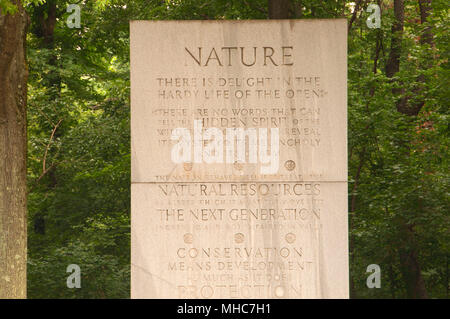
(79,140)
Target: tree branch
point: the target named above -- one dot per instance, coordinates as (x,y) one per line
(355,12)
(44,170)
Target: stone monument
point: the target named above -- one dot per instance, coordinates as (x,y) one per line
(239,159)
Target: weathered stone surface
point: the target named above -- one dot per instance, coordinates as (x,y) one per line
(239,246)
(312,124)
(213,225)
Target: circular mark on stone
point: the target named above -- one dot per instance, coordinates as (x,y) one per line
(239,166)
(187,166)
(279,291)
(188,238)
(277,277)
(239,238)
(290,238)
(290,165)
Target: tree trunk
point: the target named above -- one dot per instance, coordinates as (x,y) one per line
(425,8)
(279,9)
(409,264)
(13,148)
(408,250)
(393,63)
(46,16)
(404,104)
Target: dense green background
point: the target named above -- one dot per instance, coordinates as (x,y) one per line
(79,177)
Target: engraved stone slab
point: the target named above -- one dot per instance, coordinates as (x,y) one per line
(216,214)
(260,242)
(289,75)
